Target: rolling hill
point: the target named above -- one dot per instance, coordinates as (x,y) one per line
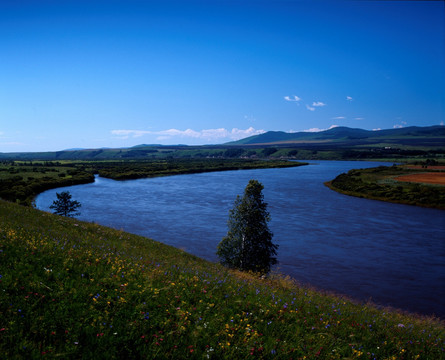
(414,136)
(338,140)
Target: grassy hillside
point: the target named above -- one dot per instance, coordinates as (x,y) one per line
(71,290)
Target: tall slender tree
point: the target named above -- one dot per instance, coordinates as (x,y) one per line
(64,205)
(248,244)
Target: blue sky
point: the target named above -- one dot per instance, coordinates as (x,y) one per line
(113,73)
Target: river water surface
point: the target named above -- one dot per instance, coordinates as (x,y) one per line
(391,254)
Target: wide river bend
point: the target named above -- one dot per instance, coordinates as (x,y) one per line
(391,254)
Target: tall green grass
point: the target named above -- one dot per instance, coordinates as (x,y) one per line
(75,290)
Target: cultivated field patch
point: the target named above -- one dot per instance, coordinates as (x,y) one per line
(437,178)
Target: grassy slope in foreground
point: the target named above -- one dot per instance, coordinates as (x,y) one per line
(381,183)
(72,289)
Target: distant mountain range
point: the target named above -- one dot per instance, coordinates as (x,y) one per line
(339,140)
(414,135)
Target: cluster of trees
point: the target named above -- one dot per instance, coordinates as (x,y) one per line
(142,169)
(21,187)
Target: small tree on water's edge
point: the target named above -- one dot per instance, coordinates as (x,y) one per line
(64,205)
(248,243)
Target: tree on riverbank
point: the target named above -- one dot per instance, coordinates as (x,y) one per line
(248,243)
(64,205)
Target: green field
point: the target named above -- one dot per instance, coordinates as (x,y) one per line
(22,181)
(71,290)
(381,184)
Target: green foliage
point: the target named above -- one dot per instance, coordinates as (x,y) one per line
(233,152)
(151,168)
(248,245)
(269,151)
(379,183)
(75,290)
(22,181)
(64,205)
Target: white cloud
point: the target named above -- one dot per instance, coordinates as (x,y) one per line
(378,129)
(205,134)
(310,108)
(349,98)
(339,118)
(318,104)
(401,125)
(359,118)
(125,134)
(175,132)
(293,98)
(12,143)
(318,129)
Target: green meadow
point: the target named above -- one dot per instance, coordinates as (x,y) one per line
(380,183)
(76,290)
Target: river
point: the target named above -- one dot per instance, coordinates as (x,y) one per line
(391,254)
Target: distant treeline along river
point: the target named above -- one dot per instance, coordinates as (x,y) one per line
(388,253)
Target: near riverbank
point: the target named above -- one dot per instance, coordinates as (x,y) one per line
(73,289)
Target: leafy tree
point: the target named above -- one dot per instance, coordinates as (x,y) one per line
(248,243)
(269,151)
(64,205)
(233,152)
